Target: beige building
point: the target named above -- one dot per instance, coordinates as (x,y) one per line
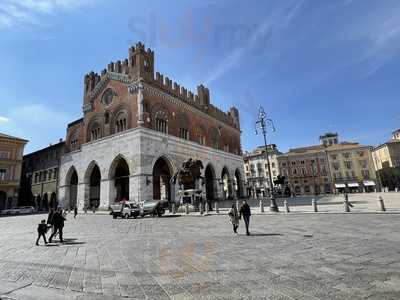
(256,170)
(351,166)
(386,159)
(331,167)
(11,151)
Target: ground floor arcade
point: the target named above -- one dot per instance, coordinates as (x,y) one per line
(137,165)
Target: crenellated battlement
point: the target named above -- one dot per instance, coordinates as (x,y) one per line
(140,65)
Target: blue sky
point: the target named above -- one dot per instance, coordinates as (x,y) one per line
(315,66)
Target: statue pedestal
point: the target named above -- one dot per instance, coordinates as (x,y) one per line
(191,196)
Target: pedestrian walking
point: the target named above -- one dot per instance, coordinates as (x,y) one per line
(42,229)
(50,220)
(246,213)
(75,212)
(58,221)
(234,218)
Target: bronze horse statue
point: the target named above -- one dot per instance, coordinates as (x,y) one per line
(188,173)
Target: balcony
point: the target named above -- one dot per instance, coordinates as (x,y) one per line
(8,181)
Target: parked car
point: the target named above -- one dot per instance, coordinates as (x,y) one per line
(125,210)
(26,209)
(18,210)
(153,208)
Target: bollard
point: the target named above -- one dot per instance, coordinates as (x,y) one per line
(314,205)
(261,206)
(286,205)
(207,208)
(346,203)
(216,207)
(173,208)
(187,208)
(381,204)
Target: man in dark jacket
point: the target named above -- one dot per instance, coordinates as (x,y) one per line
(246,213)
(58,222)
(42,229)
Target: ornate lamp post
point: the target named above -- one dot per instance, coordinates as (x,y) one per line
(262,123)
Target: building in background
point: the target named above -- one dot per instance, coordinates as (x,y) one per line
(386,159)
(256,170)
(39,180)
(138,127)
(331,167)
(352,167)
(306,171)
(11,151)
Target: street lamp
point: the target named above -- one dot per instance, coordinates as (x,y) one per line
(262,124)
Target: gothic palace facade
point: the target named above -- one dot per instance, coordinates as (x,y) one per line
(137,129)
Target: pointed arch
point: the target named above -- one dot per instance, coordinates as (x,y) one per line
(89,171)
(225,177)
(119,173)
(162,172)
(209,176)
(120,158)
(238,183)
(69,175)
(92,181)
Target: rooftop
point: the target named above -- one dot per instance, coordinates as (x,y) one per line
(6,136)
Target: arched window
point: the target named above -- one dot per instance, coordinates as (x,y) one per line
(107,117)
(73,141)
(161,121)
(95,134)
(94,131)
(121,123)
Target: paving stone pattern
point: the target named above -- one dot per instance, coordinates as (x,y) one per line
(299,256)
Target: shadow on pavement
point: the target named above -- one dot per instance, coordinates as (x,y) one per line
(266,234)
(171,216)
(73,243)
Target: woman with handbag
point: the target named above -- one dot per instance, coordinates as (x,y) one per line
(234,218)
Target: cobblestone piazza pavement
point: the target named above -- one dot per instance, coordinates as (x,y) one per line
(301,256)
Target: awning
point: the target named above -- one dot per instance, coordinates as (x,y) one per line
(353,184)
(369,183)
(340,185)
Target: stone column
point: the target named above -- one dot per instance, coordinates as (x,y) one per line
(230,189)
(219,190)
(134,188)
(105,199)
(63,194)
(142,187)
(80,198)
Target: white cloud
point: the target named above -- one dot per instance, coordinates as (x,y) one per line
(4,119)
(37,123)
(377,34)
(28,12)
(277,20)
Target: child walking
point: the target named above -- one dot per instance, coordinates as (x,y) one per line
(42,229)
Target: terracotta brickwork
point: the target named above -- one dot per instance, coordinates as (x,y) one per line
(112,104)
